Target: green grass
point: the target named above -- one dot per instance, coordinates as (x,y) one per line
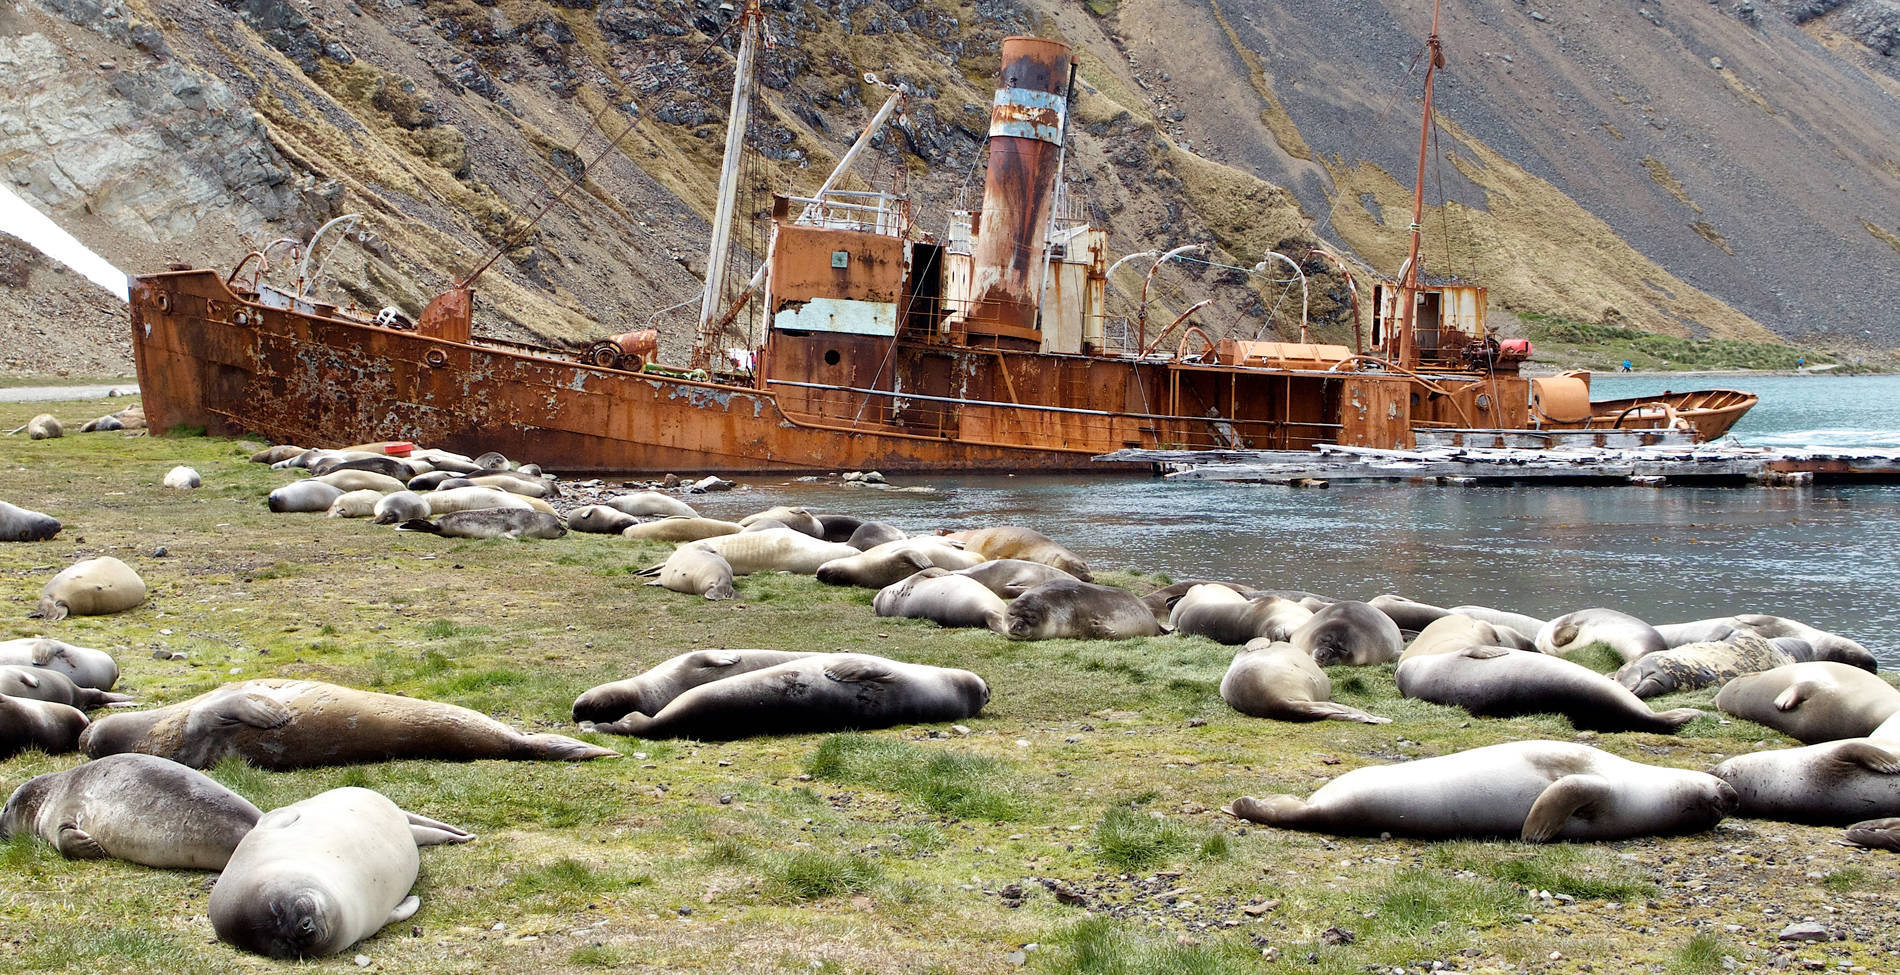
(1128,838)
(1104,946)
(1604,347)
(943,781)
(1845,879)
(805,875)
(1564,868)
(1702,955)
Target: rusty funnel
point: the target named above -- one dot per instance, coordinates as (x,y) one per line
(1026,131)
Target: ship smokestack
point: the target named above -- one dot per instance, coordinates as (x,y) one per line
(1026,130)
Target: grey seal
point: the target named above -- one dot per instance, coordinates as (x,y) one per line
(1812,702)
(394,509)
(82,665)
(598,519)
(1878,834)
(943,597)
(1079,611)
(25,723)
(307,495)
(646,504)
(138,808)
(46,684)
(1449,634)
(514,523)
(1225,616)
(697,572)
(1407,614)
(797,519)
(1281,681)
(91,587)
(1496,682)
(655,689)
(1621,632)
(21,525)
(871,534)
(1832,784)
(1349,632)
(893,561)
(1691,666)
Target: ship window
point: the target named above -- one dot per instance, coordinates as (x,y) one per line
(831,357)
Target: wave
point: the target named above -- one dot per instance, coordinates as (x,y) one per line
(1822,437)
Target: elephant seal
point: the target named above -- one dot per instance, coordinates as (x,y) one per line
(774,550)
(289,724)
(21,525)
(81,665)
(1349,632)
(1527,626)
(46,426)
(1697,665)
(1831,784)
(1877,834)
(271,455)
(390,467)
(646,504)
(527,487)
(819,693)
(445,460)
(944,598)
(838,528)
(1161,601)
(354,504)
(1014,542)
(102,424)
(1812,702)
(1281,681)
(317,876)
(871,534)
(680,528)
(1455,632)
(434,480)
(1494,682)
(303,496)
(348,480)
(1696,631)
(138,808)
(894,561)
(493,460)
(183,478)
(1827,646)
(797,519)
(48,726)
(93,587)
(45,684)
(1407,614)
(1225,616)
(1010,578)
(1079,611)
(1621,632)
(655,689)
(397,508)
(490,523)
(1536,791)
(473,499)
(697,572)
(598,519)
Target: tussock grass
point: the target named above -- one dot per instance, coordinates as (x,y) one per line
(1105,946)
(564,883)
(1702,955)
(947,782)
(1128,838)
(1562,868)
(804,875)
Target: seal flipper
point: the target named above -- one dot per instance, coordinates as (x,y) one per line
(1880,834)
(74,843)
(1485,653)
(563,748)
(634,725)
(858,669)
(405,910)
(419,525)
(29,680)
(1572,795)
(1673,719)
(255,710)
(429,832)
(1872,757)
(1794,694)
(1282,811)
(50,609)
(1331,711)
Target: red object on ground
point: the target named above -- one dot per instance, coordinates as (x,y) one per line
(398,449)
(1515,348)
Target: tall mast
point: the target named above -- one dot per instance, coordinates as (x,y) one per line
(1408,288)
(750,27)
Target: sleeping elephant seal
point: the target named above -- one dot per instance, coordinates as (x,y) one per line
(1078,611)
(772,550)
(1831,784)
(1407,614)
(271,455)
(1621,632)
(820,693)
(1450,634)
(655,689)
(1497,683)
(317,876)
(21,525)
(1827,646)
(1812,702)
(513,523)
(290,724)
(1877,834)
(1012,542)
(82,665)
(649,504)
(1161,601)
(354,504)
(679,528)
(307,495)
(400,470)
(894,562)
(46,426)
(432,480)
(1349,632)
(394,509)
(1225,616)
(1696,631)
(525,486)
(1281,681)
(138,808)
(945,598)
(838,528)
(44,684)
(93,587)
(697,572)
(448,502)
(1697,665)
(354,480)
(1536,791)
(52,728)
(1527,626)
(871,534)
(1010,578)
(797,519)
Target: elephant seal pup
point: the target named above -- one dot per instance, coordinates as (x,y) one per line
(943,597)
(1450,634)
(655,689)
(1225,616)
(797,519)
(182,478)
(598,519)
(306,495)
(1078,611)
(401,470)
(1013,542)
(775,550)
(93,587)
(354,504)
(838,528)
(1831,784)
(289,724)
(1493,682)
(527,487)
(1161,601)
(1349,632)
(271,455)
(50,727)
(21,525)
(871,534)
(362,481)
(1408,614)
(680,528)
(492,461)
(317,876)
(1696,631)
(473,499)
(1010,578)
(46,426)
(1827,646)
(1621,632)
(1697,665)
(1281,681)
(137,808)
(819,693)
(646,504)
(894,561)
(1536,791)
(102,424)
(1812,702)
(1527,626)
(81,665)
(697,572)
(394,509)
(1877,834)
(44,684)
(490,523)
(433,480)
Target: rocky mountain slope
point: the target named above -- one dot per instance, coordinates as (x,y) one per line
(1721,168)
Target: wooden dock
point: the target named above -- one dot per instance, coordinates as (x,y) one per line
(1652,465)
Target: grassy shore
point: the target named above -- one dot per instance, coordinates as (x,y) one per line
(1079,815)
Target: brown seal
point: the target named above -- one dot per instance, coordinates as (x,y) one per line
(1281,681)
(1833,784)
(93,587)
(25,723)
(138,808)
(1813,702)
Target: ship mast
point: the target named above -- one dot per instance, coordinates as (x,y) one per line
(1408,287)
(751,27)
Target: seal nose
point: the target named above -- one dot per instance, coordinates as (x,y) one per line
(1727,800)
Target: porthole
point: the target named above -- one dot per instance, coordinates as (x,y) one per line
(831,357)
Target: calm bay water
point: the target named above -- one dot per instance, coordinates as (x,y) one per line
(1824,555)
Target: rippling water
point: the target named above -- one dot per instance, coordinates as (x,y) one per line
(1823,555)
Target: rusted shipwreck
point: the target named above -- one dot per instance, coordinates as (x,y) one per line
(988,348)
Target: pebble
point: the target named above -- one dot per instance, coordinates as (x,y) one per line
(1804,931)
(362,961)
